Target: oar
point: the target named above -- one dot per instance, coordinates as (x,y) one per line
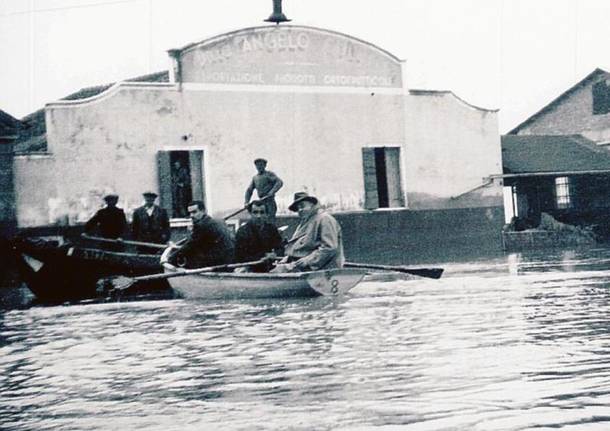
(245,207)
(122,283)
(421,272)
(124,241)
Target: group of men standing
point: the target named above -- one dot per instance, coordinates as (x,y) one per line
(316,243)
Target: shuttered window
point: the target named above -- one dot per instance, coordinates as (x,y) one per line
(601,98)
(381,169)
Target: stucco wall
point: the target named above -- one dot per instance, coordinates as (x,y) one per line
(312,141)
(450,147)
(573,115)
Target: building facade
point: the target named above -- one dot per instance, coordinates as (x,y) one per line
(332,114)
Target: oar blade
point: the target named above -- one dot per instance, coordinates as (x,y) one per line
(334,282)
(111,285)
(434,273)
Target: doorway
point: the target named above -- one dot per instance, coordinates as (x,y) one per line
(181,180)
(382,184)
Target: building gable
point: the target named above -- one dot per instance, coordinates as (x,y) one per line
(287,55)
(582,109)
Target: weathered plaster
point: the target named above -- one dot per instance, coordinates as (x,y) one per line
(312,135)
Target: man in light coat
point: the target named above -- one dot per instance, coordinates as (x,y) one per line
(317,242)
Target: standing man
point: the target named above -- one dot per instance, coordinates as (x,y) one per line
(258,239)
(181,185)
(317,242)
(210,243)
(266,184)
(109,222)
(150,221)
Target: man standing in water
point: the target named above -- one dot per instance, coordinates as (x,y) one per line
(266,184)
(317,241)
(109,222)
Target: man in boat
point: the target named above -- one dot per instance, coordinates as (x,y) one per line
(266,184)
(317,242)
(258,239)
(150,222)
(210,243)
(109,222)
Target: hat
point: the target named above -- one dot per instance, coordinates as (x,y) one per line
(261,160)
(111,197)
(300,197)
(151,194)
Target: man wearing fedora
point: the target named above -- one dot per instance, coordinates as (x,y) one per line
(266,184)
(317,241)
(150,221)
(109,222)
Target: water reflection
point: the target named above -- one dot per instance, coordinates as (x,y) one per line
(513,343)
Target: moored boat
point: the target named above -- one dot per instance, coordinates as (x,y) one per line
(57,272)
(227,285)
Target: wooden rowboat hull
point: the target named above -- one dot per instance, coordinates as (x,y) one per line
(218,285)
(56,273)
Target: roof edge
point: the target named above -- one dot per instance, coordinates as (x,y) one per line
(422,92)
(114,88)
(221,36)
(556,101)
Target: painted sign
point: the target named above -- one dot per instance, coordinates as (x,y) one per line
(289,55)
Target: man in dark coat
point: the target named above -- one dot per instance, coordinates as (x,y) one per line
(150,222)
(258,239)
(266,184)
(109,222)
(211,242)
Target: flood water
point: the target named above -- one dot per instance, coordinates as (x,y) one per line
(517,342)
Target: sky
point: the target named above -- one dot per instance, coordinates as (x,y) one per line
(511,55)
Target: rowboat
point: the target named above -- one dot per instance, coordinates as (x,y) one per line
(227,285)
(56,272)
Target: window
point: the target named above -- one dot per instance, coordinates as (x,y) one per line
(563,198)
(180,180)
(381,168)
(601,98)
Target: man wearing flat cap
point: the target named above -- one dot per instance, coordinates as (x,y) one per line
(150,221)
(109,222)
(317,242)
(266,184)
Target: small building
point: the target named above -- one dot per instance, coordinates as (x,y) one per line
(556,163)
(332,114)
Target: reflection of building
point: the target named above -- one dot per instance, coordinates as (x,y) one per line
(331,113)
(556,161)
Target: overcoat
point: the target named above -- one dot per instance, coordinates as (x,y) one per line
(150,228)
(317,243)
(108,222)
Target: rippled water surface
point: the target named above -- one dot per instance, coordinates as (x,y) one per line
(520,342)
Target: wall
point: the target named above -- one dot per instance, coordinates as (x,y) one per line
(311,129)
(419,236)
(573,115)
(7,189)
(450,148)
